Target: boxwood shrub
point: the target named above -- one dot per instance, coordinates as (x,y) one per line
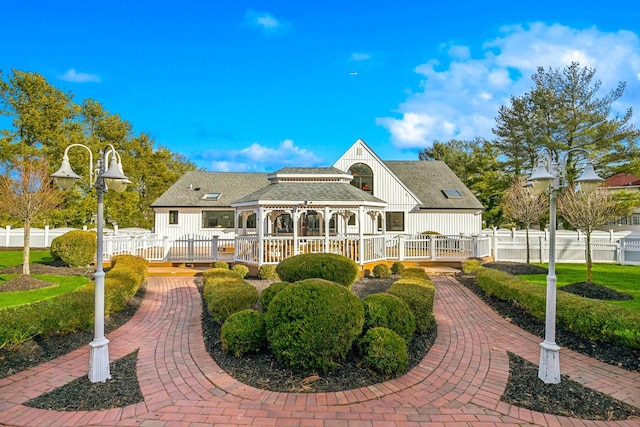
(397,267)
(267,272)
(384,351)
(243,332)
(333,267)
(227,297)
(419,296)
(220,275)
(268,293)
(75,248)
(313,323)
(389,311)
(242,270)
(381,270)
(221,264)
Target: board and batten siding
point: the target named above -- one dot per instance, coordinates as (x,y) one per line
(189,223)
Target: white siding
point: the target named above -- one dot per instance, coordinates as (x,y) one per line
(189,223)
(388,188)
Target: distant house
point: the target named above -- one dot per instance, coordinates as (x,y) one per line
(307,209)
(618,182)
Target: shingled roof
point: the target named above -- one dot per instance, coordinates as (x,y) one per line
(298,192)
(189,190)
(428,179)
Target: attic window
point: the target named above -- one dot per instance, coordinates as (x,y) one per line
(211,196)
(452,194)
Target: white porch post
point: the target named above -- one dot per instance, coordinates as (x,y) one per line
(294,217)
(327,220)
(361,234)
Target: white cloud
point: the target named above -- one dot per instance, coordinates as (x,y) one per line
(460,98)
(73,76)
(265,22)
(257,157)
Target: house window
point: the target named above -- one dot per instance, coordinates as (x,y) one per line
(362,177)
(453,194)
(635,219)
(173,217)
(395,221)
(210,196)
(217,219)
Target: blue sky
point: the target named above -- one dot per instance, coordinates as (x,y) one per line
(256,86)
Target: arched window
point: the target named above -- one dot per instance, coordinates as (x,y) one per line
(362,177)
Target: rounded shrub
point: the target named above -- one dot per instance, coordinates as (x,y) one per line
(225,298)
(333,267)
(220,275)
(397,267)
(312,324)
(384,351)
(269,292)
(75,248)
(243,332)
(267,272)
(221,264)
(415,273)
(389,311)
(419,298)
(242,270)
(381,270)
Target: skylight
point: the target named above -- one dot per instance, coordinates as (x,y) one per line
(210,196)
(453,194)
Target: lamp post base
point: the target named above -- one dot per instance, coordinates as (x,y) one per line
(99,361)
(549,370)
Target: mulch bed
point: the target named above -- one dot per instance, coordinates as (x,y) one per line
(524,388)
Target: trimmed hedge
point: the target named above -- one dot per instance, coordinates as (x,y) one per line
(384,351)
(228,296)
(381,270)
(313,323)
(388,311)
(243,332)
(589,318)
(221,264)
(242,270)
(332,267)
(419,296)
(268,293)
(75,248)
(72,311)
(220,275)
(397,267)
(267,272)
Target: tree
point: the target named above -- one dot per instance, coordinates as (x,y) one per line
(523,208)
(563,111)
(476,164)
(587,212)
(44,121)
(27,194)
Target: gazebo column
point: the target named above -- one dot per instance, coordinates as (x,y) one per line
(327,219)
(260,223)
(361,234)
(294,216)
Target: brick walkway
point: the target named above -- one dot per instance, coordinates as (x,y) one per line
(458,383)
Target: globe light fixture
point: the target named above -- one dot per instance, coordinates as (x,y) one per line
(550,176)
(112,178)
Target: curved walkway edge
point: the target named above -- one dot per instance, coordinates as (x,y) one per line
(459,382)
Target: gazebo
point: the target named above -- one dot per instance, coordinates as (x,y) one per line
(306,210)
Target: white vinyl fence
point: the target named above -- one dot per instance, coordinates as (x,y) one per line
(571,246)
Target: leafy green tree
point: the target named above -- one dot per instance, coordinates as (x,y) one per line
(563,111)
(45,121)
(476,164)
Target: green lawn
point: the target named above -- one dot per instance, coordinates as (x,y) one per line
(13,258)
(60,284)
(622,278)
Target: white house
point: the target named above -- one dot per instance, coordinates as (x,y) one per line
(354,207)
(624,182)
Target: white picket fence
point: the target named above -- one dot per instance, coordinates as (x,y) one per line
(571,246)
(502,244)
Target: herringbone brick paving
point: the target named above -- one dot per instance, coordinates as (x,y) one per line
(458,383)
